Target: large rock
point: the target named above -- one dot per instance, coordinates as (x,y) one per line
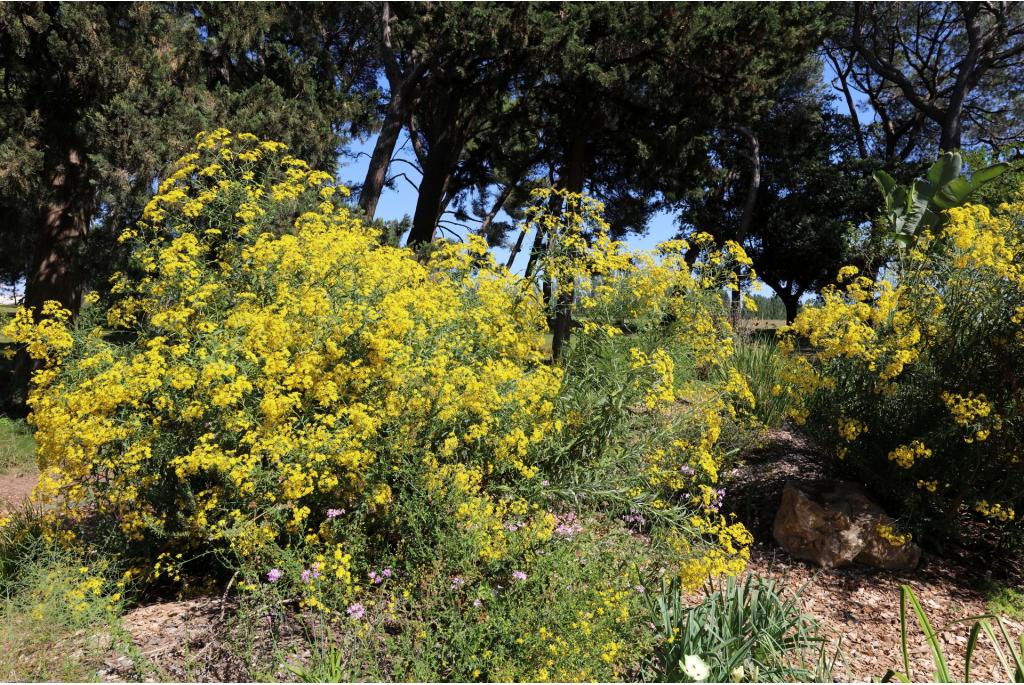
(836,524)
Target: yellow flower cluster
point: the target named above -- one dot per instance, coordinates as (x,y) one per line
(679,303)
(904,455)
(851,429)
(728,558)
(889,534)
(995,511)
(281,384)
(966,409)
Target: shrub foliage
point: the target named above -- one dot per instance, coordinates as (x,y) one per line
(914,381)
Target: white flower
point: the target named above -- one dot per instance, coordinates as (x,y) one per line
(737,675)
(695,668)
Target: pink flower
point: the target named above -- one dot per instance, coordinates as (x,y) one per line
(274,575)
(457,582)
(356,610)
(334,513)
(519,575)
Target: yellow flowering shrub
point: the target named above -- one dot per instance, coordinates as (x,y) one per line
(271,387)
(268,365)
(914,380)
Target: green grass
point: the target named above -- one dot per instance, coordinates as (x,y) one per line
(58,610)
(746,629)
(1003,600)
(17,447)
(762,364)
(5,311)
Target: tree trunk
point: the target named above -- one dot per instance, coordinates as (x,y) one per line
(842,73)
(380,161)
(442,157)
(951,128)
(792,303)
(485,225)
(574,176)
(56,273)
(64,225)
(515,249)
(402,87)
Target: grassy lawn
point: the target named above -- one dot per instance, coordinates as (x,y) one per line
(17,448)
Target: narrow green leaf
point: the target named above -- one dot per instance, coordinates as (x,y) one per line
(941,668)
(903,630)
(999,650)
(972,643)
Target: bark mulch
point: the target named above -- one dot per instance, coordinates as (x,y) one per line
(857,606)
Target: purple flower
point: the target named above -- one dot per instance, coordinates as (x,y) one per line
(334,513)
(545,482)
(688,470)
(519,575)
(311,573)
(274,575)
(356,610)
(457,582)
(378,578)
(635,517)
(477,602)
(513,527)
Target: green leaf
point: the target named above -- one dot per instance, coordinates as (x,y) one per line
(982,176)
(941,668)
(953,194)
(945,169)
(972,642)
(885,182)
(903,239)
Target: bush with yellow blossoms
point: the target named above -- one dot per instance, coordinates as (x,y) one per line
(271,391)
(914,380)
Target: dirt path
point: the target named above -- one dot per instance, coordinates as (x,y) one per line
(857,605)
(15,489)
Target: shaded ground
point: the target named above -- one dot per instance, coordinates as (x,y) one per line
(856,605)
